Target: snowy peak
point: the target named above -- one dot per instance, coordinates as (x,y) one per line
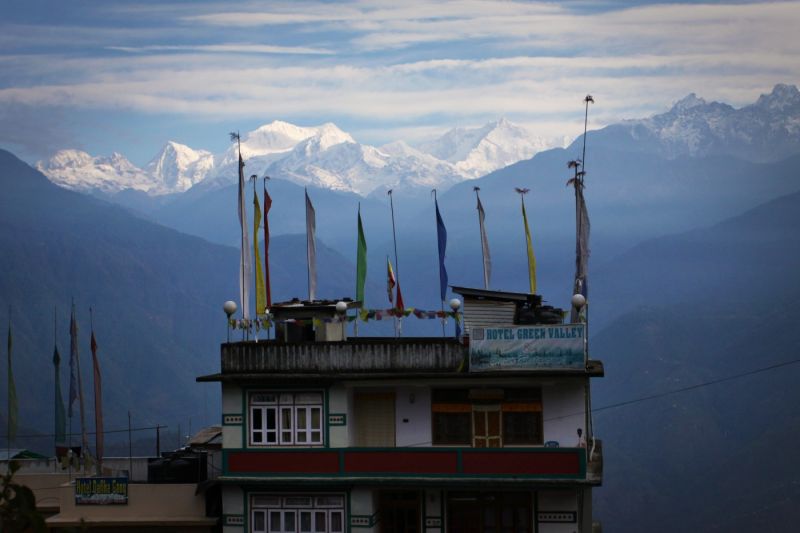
(178,167)
(477,151)
(768,130)
(688,102)
(77,170)
(781,98)
(275,137)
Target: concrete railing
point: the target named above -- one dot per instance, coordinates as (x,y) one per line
(373,355)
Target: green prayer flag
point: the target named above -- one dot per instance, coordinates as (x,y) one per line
(531,257)
(361,261)
(12,393)
(261,292)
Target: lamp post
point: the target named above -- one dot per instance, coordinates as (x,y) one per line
(455,305)
(341,310)
(229,307)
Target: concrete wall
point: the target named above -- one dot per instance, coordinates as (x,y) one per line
(433,510)
(232,405)
(339,402)
(159,504)
(558,502)
(564,400)
(233,504)
(362,504)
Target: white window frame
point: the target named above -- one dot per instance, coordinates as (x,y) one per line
(288,411)
(319,516)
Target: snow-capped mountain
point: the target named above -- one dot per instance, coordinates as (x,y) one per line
(269,143)
(353,167)
(767,130)
(77,170)
(477,151)
(321,156)
(177,167)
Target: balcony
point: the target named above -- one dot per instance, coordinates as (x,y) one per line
(436,465)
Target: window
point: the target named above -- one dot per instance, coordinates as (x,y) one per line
(322,513)
(286,419)
(487,417)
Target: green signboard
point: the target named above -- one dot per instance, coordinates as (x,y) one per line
(101,490)
(527,347)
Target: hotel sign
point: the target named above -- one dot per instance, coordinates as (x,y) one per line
(101,490)
(527,347)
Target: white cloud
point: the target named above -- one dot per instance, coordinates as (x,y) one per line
(228,48)
(532,62)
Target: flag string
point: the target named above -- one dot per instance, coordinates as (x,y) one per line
(364,315)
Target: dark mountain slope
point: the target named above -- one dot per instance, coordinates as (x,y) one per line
(704,305)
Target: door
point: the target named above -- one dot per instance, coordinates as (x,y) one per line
(399,512)
(373,415)
(486,426)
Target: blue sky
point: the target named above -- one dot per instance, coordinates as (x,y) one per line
(127,76)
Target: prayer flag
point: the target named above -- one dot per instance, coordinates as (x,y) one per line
(311,246)
(245,274)
(581,247)
(98,402)
(441,234)
(531,257)
(261,293)
(361,260)
(487,259)
(391,281)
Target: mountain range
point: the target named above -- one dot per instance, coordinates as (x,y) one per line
(321,156)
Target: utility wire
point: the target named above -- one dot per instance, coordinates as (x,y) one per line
(106,432)
(682,389)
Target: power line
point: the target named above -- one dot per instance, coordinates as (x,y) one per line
(42,435)
(681,390)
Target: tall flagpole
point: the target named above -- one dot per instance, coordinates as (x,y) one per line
(254,179)
(8,404)
(585,125)
(56,391)
(244,258)
(267,288)
(582,218)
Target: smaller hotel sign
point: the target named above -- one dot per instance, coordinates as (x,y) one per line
(101,490)
(527,347)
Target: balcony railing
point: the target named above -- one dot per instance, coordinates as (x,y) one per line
(422,355)
(364,464)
